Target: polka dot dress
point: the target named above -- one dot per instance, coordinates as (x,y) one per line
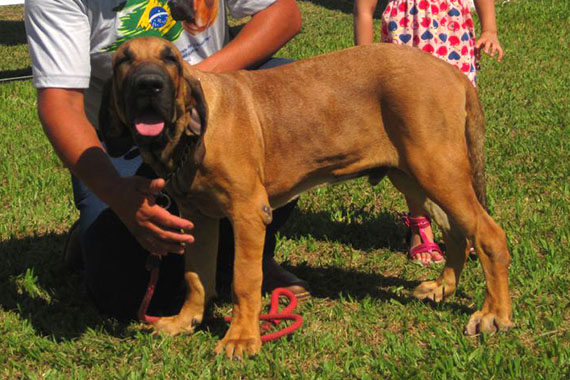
(443,28)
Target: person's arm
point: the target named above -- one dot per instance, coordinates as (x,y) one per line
(488,41)
(76,143)
(266,32)
(363,21)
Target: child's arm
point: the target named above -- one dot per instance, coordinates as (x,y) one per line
(488,41)
(363,25)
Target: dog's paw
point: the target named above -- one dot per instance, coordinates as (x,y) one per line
(236,347)
(433,290)
(487,323)
(175,325)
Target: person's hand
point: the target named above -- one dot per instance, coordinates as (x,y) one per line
(156,230)
(488,42)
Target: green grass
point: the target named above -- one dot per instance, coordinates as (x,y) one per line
(345,240)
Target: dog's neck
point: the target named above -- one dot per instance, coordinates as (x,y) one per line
(179,181)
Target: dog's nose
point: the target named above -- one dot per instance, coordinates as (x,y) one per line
(149,84)
(182,10)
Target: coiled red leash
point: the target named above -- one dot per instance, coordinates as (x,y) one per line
(272,319)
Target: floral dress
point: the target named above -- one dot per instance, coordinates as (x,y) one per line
(443,28)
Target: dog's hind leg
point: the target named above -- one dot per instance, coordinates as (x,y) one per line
(199,275)
(456,254)
(448,182)
(455,242)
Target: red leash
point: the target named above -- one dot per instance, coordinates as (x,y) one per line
(152,265)
(273,318)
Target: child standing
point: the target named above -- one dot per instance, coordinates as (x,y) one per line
(443,28)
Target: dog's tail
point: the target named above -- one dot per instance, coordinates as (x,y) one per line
(475,135)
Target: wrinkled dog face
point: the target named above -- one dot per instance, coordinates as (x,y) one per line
(149,102)
(145,86)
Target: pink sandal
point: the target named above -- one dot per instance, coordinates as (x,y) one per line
(432,248)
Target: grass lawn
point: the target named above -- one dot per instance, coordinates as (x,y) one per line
(345,240)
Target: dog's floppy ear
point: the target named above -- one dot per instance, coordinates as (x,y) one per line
(112,131)
(196,107)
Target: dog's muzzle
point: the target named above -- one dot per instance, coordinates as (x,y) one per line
(150,99)
(182,10)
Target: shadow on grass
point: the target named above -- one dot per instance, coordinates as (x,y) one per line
(35,284)
(335,283)
(18,73)
(12,33)
(382,231)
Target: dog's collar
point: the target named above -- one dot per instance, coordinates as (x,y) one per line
(179,181)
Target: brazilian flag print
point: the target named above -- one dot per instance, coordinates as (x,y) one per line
(145,18)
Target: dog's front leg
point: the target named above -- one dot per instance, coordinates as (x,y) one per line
(200,276)
(249,233)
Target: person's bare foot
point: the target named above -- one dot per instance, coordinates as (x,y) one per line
(415,240)
(422,247)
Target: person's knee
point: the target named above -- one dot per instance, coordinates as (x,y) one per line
(114,265)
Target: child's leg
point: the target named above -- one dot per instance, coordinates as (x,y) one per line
(424,256)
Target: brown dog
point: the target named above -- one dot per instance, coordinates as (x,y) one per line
(240,144)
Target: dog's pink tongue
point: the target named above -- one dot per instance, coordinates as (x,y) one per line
(149,125)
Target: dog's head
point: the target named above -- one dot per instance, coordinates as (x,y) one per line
(149,101)
(196,15)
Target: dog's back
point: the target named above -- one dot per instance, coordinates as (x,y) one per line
(346,113)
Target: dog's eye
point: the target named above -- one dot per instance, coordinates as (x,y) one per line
(121,60)
(170,58)
(124,57)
